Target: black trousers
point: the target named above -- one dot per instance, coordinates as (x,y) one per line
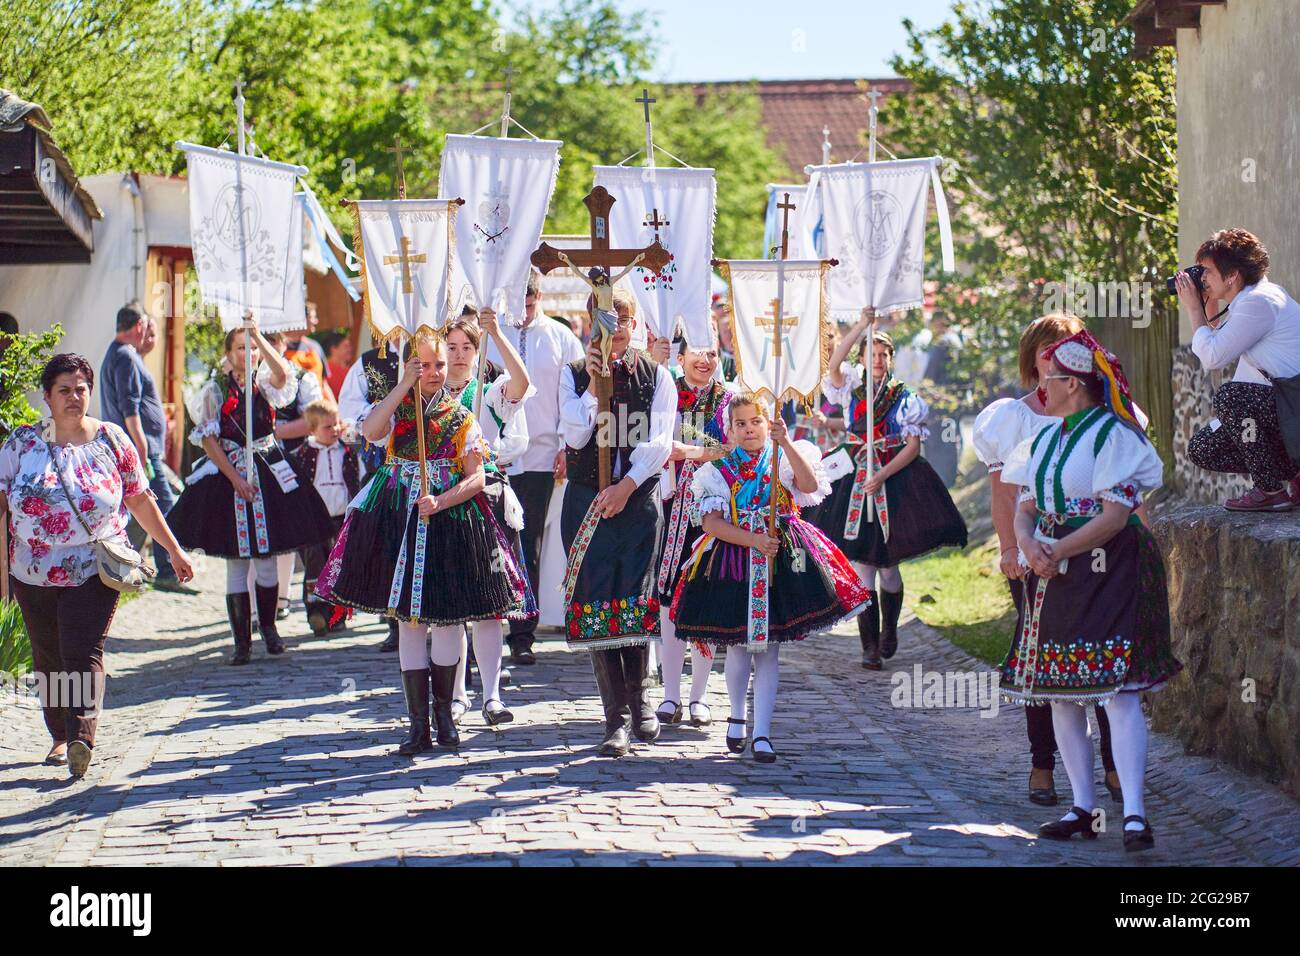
(67,628)
(1248,440)
(533,489)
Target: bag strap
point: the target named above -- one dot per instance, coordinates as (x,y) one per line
(68,494)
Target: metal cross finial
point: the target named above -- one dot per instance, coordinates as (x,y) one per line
(510,71)
(645,99)
(401,176)
(785,208)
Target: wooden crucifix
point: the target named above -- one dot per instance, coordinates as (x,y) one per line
(600,259)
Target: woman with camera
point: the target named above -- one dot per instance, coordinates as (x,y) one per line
(1259,329)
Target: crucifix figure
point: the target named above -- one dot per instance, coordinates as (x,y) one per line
(600,258)
(406,258)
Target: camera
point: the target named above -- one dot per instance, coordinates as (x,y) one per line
(1195,272)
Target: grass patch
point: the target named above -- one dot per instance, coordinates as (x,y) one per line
(963,597)
(15,649)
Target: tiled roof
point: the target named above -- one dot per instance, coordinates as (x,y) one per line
(796,111)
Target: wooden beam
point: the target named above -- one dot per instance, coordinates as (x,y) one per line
(1153,36)
(1174,14)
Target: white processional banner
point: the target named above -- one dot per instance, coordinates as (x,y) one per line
(507,186)
(682,201)
(246,235)
(405,248)
(873,217)
(755,285)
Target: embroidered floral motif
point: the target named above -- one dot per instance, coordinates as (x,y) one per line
(597,620)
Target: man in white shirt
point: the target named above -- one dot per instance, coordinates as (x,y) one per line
(546,347)
(612,536)
(1260,331)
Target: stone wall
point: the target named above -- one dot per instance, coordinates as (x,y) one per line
(1234,598)
(1193,408)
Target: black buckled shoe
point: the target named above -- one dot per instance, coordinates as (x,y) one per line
(268,599)
(737,745)
(444,691)
(891,606)
(1064,829)
(239,609)
(415,685)
(869,635)
(669,712)
(501,715)
(763,756)
(1135,840)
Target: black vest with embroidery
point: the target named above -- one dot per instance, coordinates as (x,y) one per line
(634,392)
(306,455)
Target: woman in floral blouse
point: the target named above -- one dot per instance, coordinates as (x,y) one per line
(46,469)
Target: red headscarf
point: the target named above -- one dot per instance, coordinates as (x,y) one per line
(1082,355)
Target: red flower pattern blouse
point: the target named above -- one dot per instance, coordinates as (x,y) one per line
(48,545)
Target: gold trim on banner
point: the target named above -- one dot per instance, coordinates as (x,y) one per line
(825,338)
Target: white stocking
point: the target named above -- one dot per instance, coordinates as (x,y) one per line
(284,572)
(866,574)
(462,666)
(701,668)
(736,670)
(673,655)
(1070,723)
(487,651)
(1128,744)
(767,673)
(447,641)
(413,646)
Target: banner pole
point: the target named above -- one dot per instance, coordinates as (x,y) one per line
(250,385)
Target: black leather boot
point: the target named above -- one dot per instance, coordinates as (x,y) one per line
(444,690)
(636,666)
(268,598)
(891,605)
(390,642)
(869,635)
(608,668)
(415,685)
(239,608)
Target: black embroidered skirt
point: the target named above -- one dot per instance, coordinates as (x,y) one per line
(1101,627)
(614,601)
(207,517)
(922,517)
(495,492)
(812,588)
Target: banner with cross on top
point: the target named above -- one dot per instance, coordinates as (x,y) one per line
(405,247)
(789,362)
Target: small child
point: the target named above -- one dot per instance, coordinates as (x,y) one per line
(335,470)
(749,592)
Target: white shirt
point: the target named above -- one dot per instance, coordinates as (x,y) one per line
(546,347)
(508,443)
(354,397)
(329,479)
(1262,328)
(578,423)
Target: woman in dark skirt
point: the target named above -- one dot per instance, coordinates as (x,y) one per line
(912,511)
(433,561)
(222,513)
(747,591)
(702,437)
(1093,624)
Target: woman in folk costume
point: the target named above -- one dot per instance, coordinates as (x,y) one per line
(433,561)
(913,512)
(612,536)
(999,428)
(505,429)
(747,591)
(1093,625)
(702,427)
(226,516)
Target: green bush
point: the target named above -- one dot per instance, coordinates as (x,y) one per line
(15,648)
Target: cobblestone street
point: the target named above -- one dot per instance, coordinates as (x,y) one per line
(289,761)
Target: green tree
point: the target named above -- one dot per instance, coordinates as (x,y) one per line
(1062,168)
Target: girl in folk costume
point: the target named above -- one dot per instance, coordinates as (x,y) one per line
(226,515)
(433,561)
(505,429)
(999,428)
(750,592)
(702,403)
(913,512)
(612,536)
(1093,626)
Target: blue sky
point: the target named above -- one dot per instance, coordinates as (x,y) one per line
(776,39)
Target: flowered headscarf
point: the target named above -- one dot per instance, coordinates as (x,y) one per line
(1081,354)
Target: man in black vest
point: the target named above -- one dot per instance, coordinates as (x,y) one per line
(612,536)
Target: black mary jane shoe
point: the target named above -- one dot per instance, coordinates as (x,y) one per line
(763,756)
(669,712)
(1135,840)
(701,717)
(495,717)
(1043,796)
(1064,829)
(737,745)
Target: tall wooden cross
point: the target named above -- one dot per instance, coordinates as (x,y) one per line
(600,257)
